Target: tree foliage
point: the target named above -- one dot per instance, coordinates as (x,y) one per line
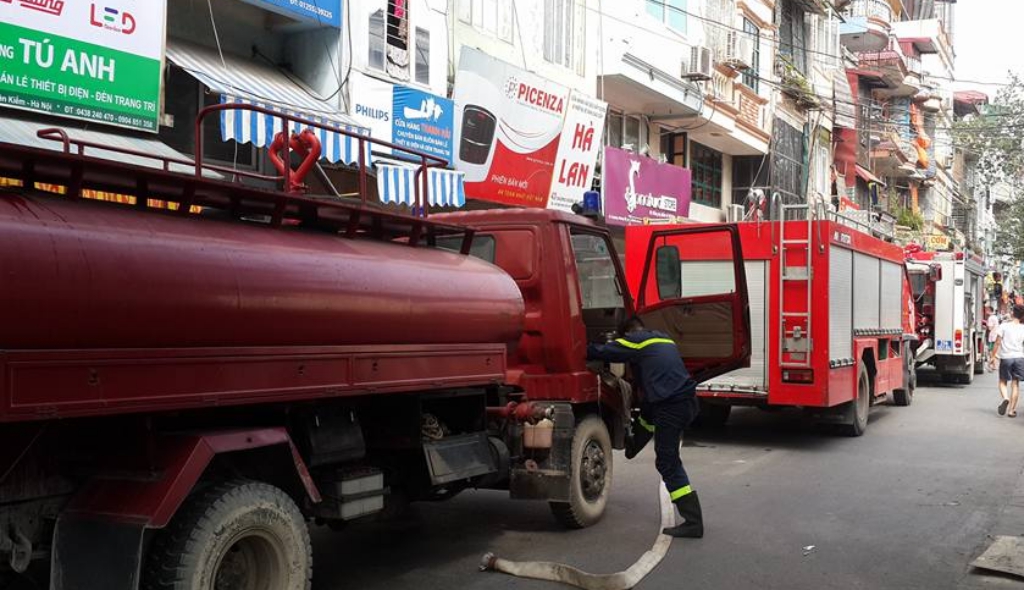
(996,137)
(994,140)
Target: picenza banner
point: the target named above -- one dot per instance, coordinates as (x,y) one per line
(96,61)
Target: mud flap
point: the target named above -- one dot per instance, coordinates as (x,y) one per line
(547,478)
(94,554)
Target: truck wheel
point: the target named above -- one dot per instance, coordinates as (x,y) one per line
(239,535)
(979,359)
(712,415)
(856,411)
(591,476)
(904,396)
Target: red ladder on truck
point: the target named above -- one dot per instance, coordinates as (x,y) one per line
(795,288)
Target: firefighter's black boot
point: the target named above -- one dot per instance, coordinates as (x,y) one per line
(689,509)
(638,439)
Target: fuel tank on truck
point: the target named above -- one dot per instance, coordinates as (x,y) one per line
(84,274)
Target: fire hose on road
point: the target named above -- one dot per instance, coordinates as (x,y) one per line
(566,574)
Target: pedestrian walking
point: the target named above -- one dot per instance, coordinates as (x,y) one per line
(669,405)
(1009,349)
(991,325)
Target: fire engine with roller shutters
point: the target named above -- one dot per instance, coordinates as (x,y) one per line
(831,313)
(949,291)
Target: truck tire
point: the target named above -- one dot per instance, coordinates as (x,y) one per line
(712,415)
(238,535)
(591,476)
(904,396)
(856,411)
(979,359)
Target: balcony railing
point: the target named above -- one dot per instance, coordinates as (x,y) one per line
(878,9)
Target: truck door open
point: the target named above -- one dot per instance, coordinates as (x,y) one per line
(705,310)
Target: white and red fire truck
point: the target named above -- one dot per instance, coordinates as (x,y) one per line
(831,310)
(949,290)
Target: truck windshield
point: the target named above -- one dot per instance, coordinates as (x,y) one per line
(598,282)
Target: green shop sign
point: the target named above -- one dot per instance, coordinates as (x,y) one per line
(96,61)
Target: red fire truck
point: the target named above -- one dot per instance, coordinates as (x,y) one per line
(831,313)
(183,392)
(949,292)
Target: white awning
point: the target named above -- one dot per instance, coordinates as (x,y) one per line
(242,81)
(397,184)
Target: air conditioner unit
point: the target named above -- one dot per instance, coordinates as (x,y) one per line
(700,64)
(734,214)
(740,51)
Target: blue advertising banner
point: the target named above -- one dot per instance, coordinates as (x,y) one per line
(423,122)
(323,12)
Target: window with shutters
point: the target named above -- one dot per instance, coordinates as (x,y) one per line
(625,131)
(389,39)
(560,32)
(706,167)
(751,77)
(788,165)
(422,56)
(793,35)
(495,17)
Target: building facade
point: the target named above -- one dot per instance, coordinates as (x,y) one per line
(848,103)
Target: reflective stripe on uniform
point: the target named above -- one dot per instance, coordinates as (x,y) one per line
(644,344)
(683,491)
(645,424)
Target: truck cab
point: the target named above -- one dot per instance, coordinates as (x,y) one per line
(575,292)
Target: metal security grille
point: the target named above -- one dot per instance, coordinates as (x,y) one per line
(892,296)
(840,312)
(753,377)
(866,292)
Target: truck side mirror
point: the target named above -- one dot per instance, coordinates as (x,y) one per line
(935,273)
(669,273)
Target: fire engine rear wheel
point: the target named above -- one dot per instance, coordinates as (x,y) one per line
(856,411)
(591,476)
(904,396)
(239,535)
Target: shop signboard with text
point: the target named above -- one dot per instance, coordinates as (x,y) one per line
(642,191)
(578,150)
(97,61)
(313,12)
(404,116)
(510,129)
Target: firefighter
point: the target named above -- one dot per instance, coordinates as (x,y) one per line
(669,406)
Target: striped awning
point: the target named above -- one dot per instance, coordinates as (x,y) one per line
(397,184)
(243,81)
(259,129)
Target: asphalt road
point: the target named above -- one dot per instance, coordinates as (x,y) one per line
(908,505)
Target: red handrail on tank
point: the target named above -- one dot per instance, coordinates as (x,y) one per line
(425,161)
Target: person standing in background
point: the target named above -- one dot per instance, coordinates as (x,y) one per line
(991,325)
(1009,349)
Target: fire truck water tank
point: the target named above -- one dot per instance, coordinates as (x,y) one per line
(83,274)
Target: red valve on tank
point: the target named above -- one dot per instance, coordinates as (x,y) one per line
(307,145)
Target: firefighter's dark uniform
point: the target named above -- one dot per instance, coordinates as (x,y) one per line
(669,406)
